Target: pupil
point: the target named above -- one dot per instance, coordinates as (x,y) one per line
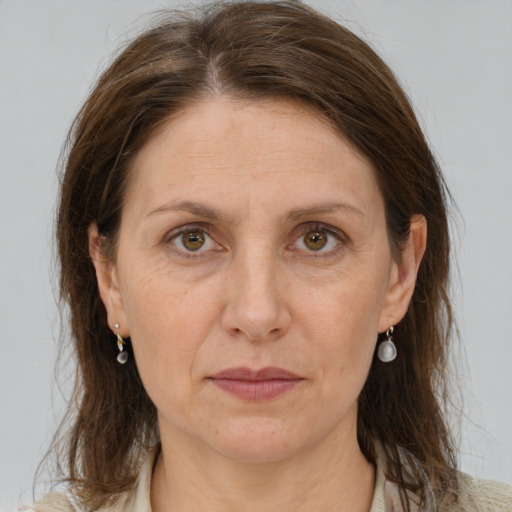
(193,241)
(316,240)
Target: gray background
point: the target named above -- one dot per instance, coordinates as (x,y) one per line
(454,57)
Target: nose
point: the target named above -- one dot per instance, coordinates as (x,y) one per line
(255,308)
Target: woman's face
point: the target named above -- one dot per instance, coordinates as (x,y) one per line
(253,273)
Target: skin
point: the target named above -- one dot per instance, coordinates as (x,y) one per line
(262,177)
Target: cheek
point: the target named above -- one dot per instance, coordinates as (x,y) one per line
(341,320)
(168,323)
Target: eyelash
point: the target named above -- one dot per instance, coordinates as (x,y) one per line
(303,230)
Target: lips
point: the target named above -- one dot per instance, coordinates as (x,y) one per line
(256,385)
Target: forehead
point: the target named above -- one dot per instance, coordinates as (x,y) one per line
(248,148)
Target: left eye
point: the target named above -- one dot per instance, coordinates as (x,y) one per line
(194,240)
(318,240)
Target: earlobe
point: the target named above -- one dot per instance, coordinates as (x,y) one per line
(404,273)
(106,276)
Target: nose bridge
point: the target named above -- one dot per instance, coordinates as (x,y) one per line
(257,283)
(256,308)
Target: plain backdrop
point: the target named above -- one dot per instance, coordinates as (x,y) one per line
(454,58)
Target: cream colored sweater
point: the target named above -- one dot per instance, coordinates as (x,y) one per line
(475,496)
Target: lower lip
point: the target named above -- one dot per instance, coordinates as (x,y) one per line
(256,390)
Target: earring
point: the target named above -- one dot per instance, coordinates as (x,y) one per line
(387,349)
(122,357)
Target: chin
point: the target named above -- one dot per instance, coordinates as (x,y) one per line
(257,440)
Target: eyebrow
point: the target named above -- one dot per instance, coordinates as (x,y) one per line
(208,212)
(329,207)
(198,209)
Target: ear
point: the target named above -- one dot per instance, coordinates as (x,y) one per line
(403,274)
(108,286)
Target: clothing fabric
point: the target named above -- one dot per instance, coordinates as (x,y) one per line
(474,496)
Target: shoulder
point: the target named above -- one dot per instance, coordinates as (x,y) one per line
(53,502)
(477,495)
(135,499)
(472,494)
(62,502)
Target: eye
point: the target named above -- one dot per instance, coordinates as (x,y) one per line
(319,239)
(193,240)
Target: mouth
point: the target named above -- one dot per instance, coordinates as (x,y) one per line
(256,385)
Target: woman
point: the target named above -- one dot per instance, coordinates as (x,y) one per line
(254,249)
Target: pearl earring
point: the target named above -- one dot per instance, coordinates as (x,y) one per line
(122,357)
(387,349)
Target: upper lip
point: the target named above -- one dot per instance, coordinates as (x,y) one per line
(269,373)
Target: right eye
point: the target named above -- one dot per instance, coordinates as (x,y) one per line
(193,240)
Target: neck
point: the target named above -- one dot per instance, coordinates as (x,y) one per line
(333,476)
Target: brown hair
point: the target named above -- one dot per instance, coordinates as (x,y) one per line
(250,50)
